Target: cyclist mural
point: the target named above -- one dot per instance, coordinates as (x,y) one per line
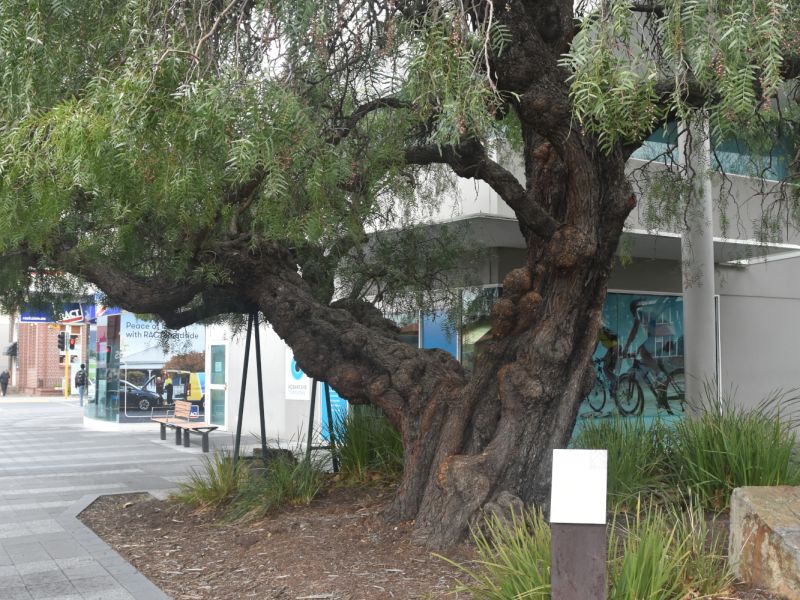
(639,357)
(638,360)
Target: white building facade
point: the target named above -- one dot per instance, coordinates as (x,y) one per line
(755,302)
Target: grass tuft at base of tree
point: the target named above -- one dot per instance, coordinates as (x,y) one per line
(368,447)
(242,492)
(653,552)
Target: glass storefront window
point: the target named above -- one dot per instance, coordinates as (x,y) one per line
(639,358)
(105,403)
(476,323)
(409,327)
(217,365)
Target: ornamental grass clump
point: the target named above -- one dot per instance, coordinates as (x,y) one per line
(728,446)
(368,447)
(637,463)
(654,553)
(513,559)
(243,492)
(284,482)
(215,485)
(661,553)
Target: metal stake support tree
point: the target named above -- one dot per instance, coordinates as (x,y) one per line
(331,436)
(252,325)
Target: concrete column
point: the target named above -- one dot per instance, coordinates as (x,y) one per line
(697,254)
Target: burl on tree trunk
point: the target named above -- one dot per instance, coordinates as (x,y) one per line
(479,442)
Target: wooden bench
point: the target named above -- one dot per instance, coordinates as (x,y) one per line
(181,421)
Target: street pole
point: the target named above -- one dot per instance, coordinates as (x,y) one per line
(67,332)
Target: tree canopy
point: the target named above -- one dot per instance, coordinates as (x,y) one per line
(195,158)
(141,133)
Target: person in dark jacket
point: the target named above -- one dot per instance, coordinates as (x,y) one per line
(4,377)
(81,382)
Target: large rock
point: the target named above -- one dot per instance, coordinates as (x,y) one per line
(764,547)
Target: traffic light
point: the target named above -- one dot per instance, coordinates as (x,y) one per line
(73,341)
(62,340)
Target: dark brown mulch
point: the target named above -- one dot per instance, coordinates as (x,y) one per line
(338,548)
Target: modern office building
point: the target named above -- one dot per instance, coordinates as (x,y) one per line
(750,303)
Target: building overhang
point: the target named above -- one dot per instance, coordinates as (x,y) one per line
(502,232)
(666,245)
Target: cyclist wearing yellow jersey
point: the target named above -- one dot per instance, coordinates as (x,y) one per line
(610,341)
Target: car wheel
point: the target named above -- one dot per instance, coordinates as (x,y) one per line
(144,404)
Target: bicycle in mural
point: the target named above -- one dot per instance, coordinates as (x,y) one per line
(643,373)
(667,388)
(628,389)
(622,389)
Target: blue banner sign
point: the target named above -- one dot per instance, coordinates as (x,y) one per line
(70,313)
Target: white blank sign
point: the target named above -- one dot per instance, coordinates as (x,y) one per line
(578,492)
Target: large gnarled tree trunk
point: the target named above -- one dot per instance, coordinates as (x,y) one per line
(470,441)
(478,440)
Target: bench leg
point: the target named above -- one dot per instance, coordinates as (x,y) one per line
(205,441)
(186,438)
(178,440)
(163,431)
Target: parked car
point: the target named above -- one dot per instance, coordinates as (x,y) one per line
(135,397)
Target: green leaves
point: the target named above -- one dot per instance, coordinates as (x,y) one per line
(631,72)
(445,84)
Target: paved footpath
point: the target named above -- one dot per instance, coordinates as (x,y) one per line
(51,468)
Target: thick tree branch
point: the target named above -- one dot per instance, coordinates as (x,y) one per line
(469,160)
(138,294)
(212,303)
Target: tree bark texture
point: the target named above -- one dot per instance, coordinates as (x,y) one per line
(483,441)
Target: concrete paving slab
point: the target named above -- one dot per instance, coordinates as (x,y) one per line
(51,469)
(43,578)
(16,593)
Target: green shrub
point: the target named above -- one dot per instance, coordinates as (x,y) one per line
(664,553)
(284,482)
(215,485)
(513,559)
(636,457)
(655,553)
(728,446)
(368,446)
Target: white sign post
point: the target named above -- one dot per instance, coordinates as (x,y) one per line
(579,549)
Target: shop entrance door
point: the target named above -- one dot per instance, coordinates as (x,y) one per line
(217,387)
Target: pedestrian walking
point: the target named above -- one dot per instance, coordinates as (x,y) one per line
(81,382)
(4,377)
